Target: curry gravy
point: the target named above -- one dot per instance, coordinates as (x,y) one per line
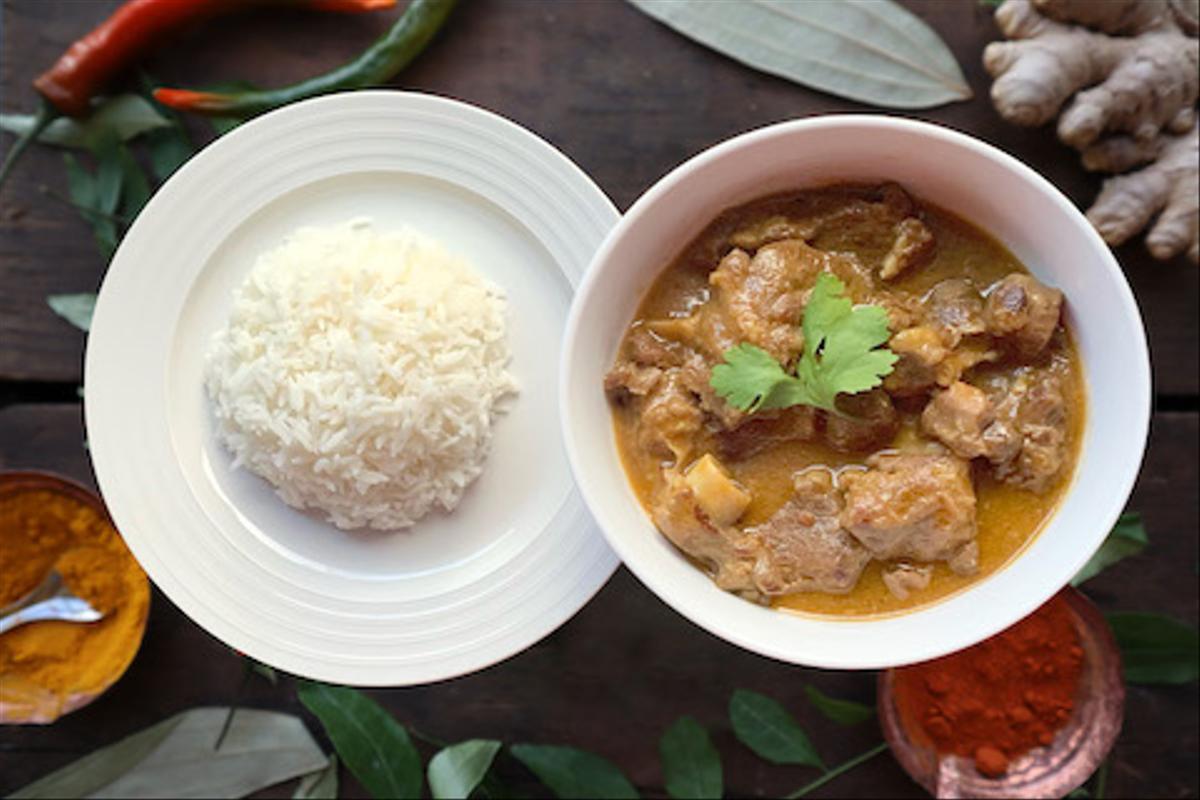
(1008,517)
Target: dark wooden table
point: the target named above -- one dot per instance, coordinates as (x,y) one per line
(627,99)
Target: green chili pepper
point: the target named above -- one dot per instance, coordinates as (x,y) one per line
(380,62)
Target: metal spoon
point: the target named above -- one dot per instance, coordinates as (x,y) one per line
(51,600)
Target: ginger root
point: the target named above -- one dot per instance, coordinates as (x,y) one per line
(1130,70)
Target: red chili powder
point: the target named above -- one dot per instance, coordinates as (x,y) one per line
(999,699)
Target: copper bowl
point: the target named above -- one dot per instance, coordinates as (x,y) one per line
(1077,751)
(23,702)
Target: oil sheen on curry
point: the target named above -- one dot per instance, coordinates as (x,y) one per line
(898,495)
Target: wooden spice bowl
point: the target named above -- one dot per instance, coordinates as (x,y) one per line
(1077,751)
(24,702)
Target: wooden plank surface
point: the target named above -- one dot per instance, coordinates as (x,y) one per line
(614,677)
(627,100)
(623,96)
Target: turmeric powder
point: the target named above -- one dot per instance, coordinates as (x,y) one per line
(49,668)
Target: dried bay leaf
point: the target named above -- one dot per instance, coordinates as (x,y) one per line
(320,785)
(872,51)
(76,309)
(175,758)
(96,770)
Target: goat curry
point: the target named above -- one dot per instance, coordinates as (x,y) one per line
(891,497)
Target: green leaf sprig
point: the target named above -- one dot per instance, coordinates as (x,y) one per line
(843,354)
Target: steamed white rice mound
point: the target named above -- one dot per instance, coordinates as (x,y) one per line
(360,373)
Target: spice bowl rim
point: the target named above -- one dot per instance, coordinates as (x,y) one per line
(53,480)
(993,190)
(38,479)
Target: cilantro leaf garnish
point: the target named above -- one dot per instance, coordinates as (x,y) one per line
(843,354)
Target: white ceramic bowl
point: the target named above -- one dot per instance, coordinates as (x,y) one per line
(993,190)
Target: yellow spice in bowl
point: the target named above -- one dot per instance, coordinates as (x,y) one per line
(50,668)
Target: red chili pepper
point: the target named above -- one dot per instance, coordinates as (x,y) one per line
(137,26)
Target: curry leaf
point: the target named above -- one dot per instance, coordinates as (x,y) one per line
(266,672)
(135,188)
(1156,648)
(125,116)
(571,773)
(76,309)
(1127,538)
(766,728)
(176,758)
(169,147)
(81,184)
(456,770)
(843,712)
(371,743)
(110,176)
(873,51)
(691,765)
(223,125)
(83,188)
(319,785)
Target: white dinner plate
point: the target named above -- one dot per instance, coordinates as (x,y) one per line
(456,592)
